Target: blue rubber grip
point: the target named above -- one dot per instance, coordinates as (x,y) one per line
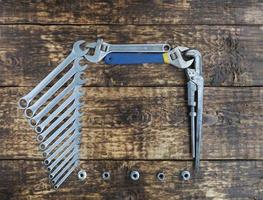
(133,58)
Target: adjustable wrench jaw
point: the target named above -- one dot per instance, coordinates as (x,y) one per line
(101,49)
(175,58)
(195,88)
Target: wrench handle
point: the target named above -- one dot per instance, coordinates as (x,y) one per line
(133,58)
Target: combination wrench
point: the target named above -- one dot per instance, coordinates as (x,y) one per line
(67,143)
(54,172)
(75,115)
(62,156)
(76,95)
(76,52)
(70,167)
(74,85)
(30,111)
(75,127)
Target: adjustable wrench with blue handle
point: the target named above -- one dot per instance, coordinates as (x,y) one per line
(173,57)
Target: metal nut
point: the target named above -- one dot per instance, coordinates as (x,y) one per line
(106,175)
(160,176)
(135,175)
(185,175)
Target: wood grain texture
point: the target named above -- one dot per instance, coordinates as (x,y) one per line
(147,123)
(217,180)
(132,12)
(135,117)
(232,55)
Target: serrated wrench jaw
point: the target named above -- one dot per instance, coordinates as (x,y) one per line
(98,53)
(176,59)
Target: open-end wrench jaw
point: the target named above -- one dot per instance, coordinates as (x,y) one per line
(77,50)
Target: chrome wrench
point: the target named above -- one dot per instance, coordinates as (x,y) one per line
(101,49)
(70,169)
(196,87)
(73,147)
(73,128)
(75,95)
(67,143)
(62,164)
(75,84)
(75,115)
(76,52)
(30,111)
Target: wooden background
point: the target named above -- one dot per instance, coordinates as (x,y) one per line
(136,116)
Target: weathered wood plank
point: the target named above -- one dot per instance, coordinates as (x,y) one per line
(232,55)
(217,180)
(148,123)
(132,12)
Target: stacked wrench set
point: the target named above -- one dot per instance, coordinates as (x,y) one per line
(53,106)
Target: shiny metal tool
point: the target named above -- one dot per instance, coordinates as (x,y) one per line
(53,106)
(53,110)
(191,62)
(101,49)
(195,87)
(76,52)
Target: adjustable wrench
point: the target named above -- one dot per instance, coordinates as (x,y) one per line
(101,49)
(76,52)
(195,84)
(172,57)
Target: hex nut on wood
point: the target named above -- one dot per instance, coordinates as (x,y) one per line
(185,175)
(82,175)
(106,175)
(160,176)
(134,175)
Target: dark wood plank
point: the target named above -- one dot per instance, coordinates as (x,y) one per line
(148,123)
(217,180)
(132,12)
(232,55)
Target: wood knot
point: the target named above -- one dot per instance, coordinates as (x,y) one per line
(135,115)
